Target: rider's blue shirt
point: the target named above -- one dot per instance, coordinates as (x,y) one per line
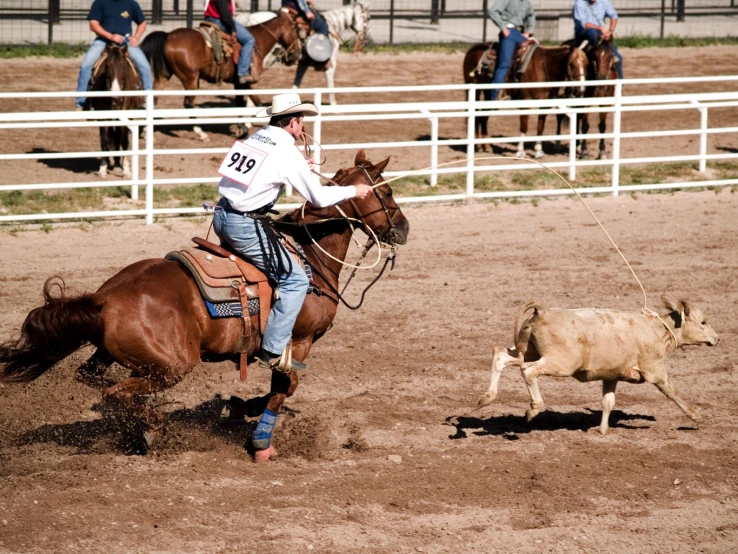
(117,16)
(585,12)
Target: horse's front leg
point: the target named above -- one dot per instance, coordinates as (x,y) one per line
(105,147)
(125,142)
(541,126)
(583,153)
(603,127)
(330,73)
(283,385)
(193,83)
(523,131)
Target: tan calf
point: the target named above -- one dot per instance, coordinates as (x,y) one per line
(599,345)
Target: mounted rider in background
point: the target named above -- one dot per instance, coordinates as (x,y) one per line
(589,24)
(221,13)
(111,21)
(516,21)
(307,9)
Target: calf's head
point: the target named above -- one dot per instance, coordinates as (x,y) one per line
(690,324)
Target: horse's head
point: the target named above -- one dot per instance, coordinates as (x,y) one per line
(601,60)
(379,211)
(360,21)
(576,68)
(291,33)
(116,74)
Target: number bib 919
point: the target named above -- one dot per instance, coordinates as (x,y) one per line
(242,163)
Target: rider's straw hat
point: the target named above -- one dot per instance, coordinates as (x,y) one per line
(283,104)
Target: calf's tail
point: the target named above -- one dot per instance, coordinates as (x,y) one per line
(50,333)
(524,326)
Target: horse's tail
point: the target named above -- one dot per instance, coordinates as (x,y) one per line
(50,333)
(153,47)
(524,326)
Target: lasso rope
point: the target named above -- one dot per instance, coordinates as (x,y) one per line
(645,308)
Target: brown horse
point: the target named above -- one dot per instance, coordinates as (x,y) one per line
(150,317)
(602,66)
(115,72)
(186,54)
(546,64)
(475,72)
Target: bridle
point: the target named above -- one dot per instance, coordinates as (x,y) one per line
(389,230)
(286,53)
(595,60)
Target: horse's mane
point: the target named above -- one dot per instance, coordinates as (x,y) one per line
(555,53)
(482,46)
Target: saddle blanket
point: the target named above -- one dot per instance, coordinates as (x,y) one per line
(219,310)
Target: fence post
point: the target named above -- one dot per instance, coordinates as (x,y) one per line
(703,139)
(470,141)
(572,145)
(617,116)
(150,155)
(190,15)
(663,18)
(434,148)
(134,161)
(485,5)
(434,12)
(254,6)
(157,11)
(680,10)
(391,21)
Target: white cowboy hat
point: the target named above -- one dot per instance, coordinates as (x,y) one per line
(290,102)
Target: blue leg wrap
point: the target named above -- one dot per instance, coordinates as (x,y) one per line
(263,433)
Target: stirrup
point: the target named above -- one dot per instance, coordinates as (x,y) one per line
(283,363)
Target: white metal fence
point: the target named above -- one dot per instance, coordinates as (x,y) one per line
(151,117)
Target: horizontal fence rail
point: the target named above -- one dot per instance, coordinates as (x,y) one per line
(145,152)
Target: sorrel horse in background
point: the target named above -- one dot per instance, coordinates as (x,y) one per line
(115,72)
(546,64)
(186,54)
(151,319)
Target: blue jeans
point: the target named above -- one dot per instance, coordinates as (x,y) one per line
(594,36)
(93,53)
(247,42)
(318,24)
(246,236)
(508,44)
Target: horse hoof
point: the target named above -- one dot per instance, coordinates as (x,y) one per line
(520,154)
(485,399)
(530,414)
(261,456)
(538,155)
(584,156)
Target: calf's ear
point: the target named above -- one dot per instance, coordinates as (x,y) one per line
(685,307)
(669,304)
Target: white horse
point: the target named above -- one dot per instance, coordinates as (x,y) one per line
(354,17)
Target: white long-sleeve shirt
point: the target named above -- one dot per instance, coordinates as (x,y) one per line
(283,164)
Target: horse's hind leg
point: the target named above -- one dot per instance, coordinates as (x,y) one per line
(539,146)
(126,394)
(192,82)
(92,371)
(125,142)
(583,153)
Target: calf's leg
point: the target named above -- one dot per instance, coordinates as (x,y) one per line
(608,403)
(659,378)
(501,358)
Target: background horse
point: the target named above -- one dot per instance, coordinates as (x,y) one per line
(479,74)
(151,319)
(602,62)
(354,17)
(115,72)
(186,54)
(561,63)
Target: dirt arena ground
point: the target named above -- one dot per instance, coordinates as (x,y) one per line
(381,449)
